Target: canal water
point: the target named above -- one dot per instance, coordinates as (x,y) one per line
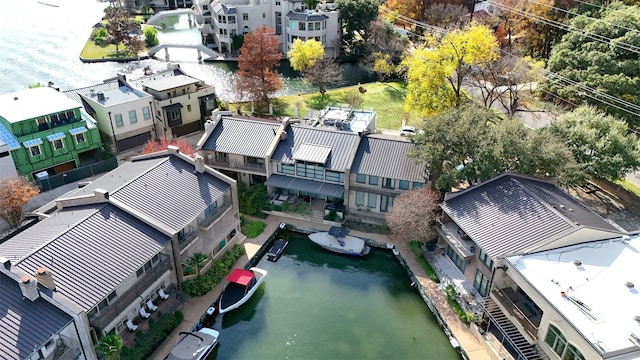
(315,304)
(42,43)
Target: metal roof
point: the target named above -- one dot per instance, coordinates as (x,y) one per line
(9,138)
(386,158)
(343,146)
(242,137)
(168,83)
(24,324)
(31,103)
(312,153)
(300,16)
(74,94)
(171,193)
(308,185)
(83,258)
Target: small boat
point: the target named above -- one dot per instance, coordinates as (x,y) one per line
(242,285)
(194,345)
(276,249)
(337,240)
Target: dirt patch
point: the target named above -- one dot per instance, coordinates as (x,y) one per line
(612,202)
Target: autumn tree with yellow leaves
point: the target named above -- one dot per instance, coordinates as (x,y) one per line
(14,194)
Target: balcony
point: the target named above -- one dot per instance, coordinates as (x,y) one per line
(187,238)
(105,316)
(237,165)
(519,309)
(66,349)
(458,240)
(205,223)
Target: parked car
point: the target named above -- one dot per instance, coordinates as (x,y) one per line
(408,130)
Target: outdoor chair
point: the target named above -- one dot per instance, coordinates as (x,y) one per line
(131,325)
(144,313)
(151,306)
(162,294)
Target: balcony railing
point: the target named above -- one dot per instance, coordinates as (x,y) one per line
(449,231)
(529,323)
(133,294)
(238,165)
(187,238)
(210,218)
(66,349)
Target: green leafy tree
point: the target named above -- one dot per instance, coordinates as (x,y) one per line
(437,71)
(304,54)
(237,41)
(610,67)
(151,36)
(353,98)
(146,10)
(356,16)
(601,144)
(383,67)
(120,26)
(311,4)
(110,346)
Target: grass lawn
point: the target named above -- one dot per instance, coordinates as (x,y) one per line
(93,51)
(387,99)
(629,187)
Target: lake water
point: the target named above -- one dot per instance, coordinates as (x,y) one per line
(41,43)
(315,304)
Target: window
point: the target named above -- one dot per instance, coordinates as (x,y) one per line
(486,260)
(140,272)
(460,263)
(232,19)
(310,170)
(359,198)
(111,296)
(35,150)
(361,178)
(189,107)
(286,169)
(403,185)
(334,176)
(118,118)
(245,17)
(372,201)
(558,343)
(147,266)
(205,7)
(57,144)
(373,180)
(103,305)
(417,185)
(388,183)
(155,259)
(146,114)
(264,15)
(481,283)
(301,25)
(277,2)
(385,202)
(317,25)
(133,118)
(80,138)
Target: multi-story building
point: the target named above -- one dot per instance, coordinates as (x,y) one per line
(124,114)
(291,20)
(47,132)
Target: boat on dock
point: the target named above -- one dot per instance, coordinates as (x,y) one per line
(194,345)
(242,284)
(277,249)
(337,240)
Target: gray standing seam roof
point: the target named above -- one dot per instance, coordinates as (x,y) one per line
(242,137)
(25,324)
(82,259)
(343,146)
(172,193)
(503,217)
(386,158)
(74,94)
(298,16)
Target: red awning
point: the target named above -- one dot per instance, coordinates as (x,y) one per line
(241,276)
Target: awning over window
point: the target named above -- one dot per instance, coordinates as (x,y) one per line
(78,130)
(56,136)
(33,142)
(172,107)
(307,185)
(312,153)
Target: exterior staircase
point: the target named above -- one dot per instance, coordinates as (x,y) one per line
(317,211)
(512,339)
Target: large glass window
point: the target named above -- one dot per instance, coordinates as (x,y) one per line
(459,261)
(372,202)
(118,118)
(373,180)
(361,178)
(403,185)
(146,113)
(310,170)
(359,198)
(486,260)
(285,169)
(385,203)
(301,25)
(481,283)
(334,176)
(35,150)
(417,185)
(57,144)
(556,340)
(388,183)
(133,118)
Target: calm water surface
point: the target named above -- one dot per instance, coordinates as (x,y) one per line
(40,43)
(319,305)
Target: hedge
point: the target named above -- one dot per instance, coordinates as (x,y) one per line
(220,269)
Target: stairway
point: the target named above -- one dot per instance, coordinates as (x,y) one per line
(514,341)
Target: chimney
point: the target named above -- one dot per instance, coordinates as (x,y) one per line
(45,277)
(101,194)
(173,149)
(199,163)
(29,288)
(283,134)
(100,96)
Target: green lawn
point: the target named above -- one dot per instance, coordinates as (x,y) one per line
(93,51)
(629,187)
(387,99)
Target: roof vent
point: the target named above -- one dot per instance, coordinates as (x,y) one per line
(577,262)
(629,284)
(101,96)
(15,98)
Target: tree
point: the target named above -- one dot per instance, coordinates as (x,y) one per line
(258,58)
(436,72)
(304,54)
(323,73)
(110,346)
(311,4)
(120,26)
(151,36)
(444,14)
(383,67)
(196,260)
(413,214)
(356,16)
(353,98)
(161,144)
(601,144)
(14,195)
(610,67)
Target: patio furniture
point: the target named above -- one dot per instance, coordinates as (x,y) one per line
(162,294)
(144,313)
(131,325)
(151,306)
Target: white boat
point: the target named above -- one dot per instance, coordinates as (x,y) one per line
(194,345)
(242,284)
(337,240)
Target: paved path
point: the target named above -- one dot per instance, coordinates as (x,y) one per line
(195,307)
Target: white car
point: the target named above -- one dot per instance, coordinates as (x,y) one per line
(408,130)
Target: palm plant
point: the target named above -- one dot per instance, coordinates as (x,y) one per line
(110,346)
(196,260)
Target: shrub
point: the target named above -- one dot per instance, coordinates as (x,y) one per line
(453,302)
(252,229)
(151,36)
(332,216)
(416,248)
(252,199)
(213,276)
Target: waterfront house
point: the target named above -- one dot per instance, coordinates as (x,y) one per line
(381,171)
(291,20)
(31,326)
(507,215)
(47,133)
(111,245)
(181,103)
(124,114)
